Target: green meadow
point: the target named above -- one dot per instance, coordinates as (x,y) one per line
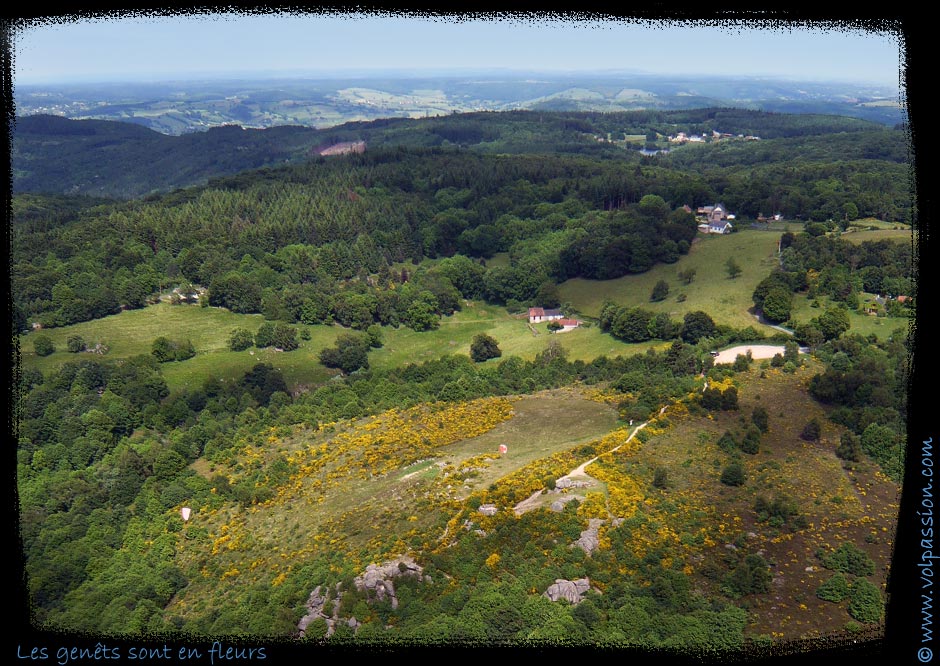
(132,332)
(512,332)
(861,235)
(726,300)
(869,222)
(863,324)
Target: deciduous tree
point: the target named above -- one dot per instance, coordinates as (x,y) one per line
(660,291)
(43,345)
(484,347)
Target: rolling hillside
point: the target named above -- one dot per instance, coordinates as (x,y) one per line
(303,403)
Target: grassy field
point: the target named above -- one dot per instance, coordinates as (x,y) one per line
(880,224)
(133,332)
(862,235)
(543,424)
(726,300)
(862,324)
(513,334)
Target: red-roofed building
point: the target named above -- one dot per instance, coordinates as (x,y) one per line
(537,315)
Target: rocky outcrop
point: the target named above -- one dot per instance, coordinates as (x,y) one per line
(376,580)
(568,482)
(589,537)
(377,583)
(572,591)
(559,504)
(315,604)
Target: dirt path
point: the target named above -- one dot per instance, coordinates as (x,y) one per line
(578,473)
(760,319)
(579,470)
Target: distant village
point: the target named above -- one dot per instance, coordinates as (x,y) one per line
(682,137)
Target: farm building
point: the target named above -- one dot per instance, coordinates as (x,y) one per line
(714,219)
(537,315)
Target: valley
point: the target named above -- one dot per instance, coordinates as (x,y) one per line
(476,365)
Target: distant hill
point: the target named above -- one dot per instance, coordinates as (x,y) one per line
(179,107)
(55,155)
(107,158)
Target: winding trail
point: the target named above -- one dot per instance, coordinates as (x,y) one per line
(579,470)
(760,319)
(533,501)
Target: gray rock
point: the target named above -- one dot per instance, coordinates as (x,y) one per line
(572,591)
(589,540)
(487,509)
(563,589)
(314,605)
(571,483)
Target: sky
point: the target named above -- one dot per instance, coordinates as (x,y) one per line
(147,48)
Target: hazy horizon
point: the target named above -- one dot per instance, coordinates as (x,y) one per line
(157,78)
(135,49)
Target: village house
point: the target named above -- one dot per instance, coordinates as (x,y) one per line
(715,219)
(568,325)
(720,227)
(537,315)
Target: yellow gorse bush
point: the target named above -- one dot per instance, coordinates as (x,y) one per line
(343,454)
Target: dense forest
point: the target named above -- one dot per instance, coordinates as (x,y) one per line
(107,158)
(294,239)
(706,472)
